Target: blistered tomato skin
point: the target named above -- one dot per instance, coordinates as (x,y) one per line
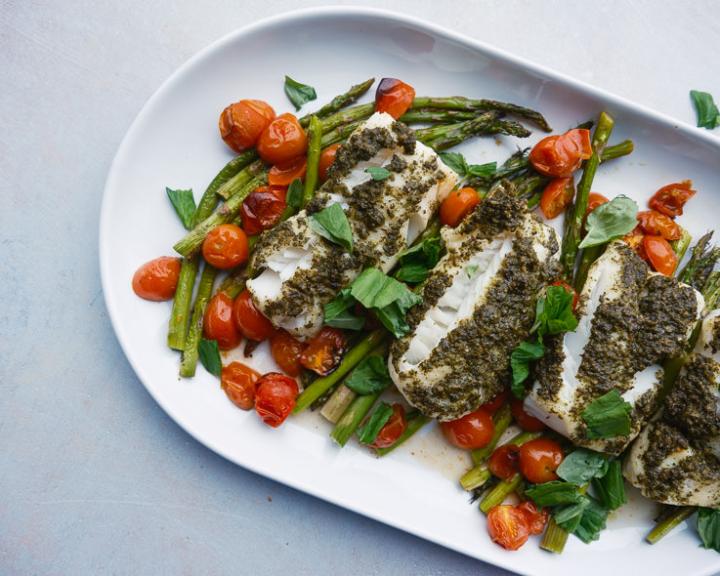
(262,209)
(225,247)
(394,97)
(282,141)
(556,196)
(503,462)
(283,175)
(537,519)
(219,324)
(660,254)
(508,526)
(324,351)
(242,123)
(671,199)
(157,280)
(286,351)
(559,156)
(238,381)
(656,223)
(249,320)
(275,397)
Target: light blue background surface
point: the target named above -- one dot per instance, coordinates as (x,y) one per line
(94,477)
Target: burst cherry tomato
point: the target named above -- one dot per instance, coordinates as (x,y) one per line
(327,159)
(393,428)
(559,156)
(538,460)
(634,239)
(474,430)
(496,402)
(457,205)
(503,462)
(670,199)
(394,97)
(508,526)
(242,123)
(324,351)
(523,419)
(595,200)
(262,208)
(282,141)
(568,289)
(249,320)
(275,396)
(283,175)
(218,323)
(157,280)
(657,224)
(556,196)
(660,254)
(537,519)
(286,352)
(239,381)
(225,246)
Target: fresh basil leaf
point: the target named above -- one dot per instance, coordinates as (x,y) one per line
(417,261)
(708,525)
(455,162)
(298,93)
(581,465)
(184,204)
(569,517)
(607,416)
(482,170)
(369,377)
(210,356)
(609,221)
(520,360)
(294,196)
(610,487)
(374,289)
(412,273)
(393,315)
(337,312)
(331,223)
(378,172)
(592,522)
(554,312)
(471,270)
(708,115)
(380,416)
(554,493)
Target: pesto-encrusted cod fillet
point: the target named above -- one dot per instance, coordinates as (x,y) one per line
(298,271)
(630,319)
(478,304)
(676,458)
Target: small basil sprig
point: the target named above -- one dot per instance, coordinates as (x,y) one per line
(417,261)
(298,93)
(457,163)
(332,223)
(378,172)
(184,204)
(209,353)
(607,416)
(294,196)
(708,115)
(370,376)
(609,221)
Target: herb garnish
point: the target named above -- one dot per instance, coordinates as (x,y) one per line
(457,163)
(294,196)
(210,356)
(378,172)
(331,223)
(607,416)
(581,465)
(184,204)
(369,431)
(298,93)
(417,261)
(370,376)
(708,525)
(708,115)
(609,221)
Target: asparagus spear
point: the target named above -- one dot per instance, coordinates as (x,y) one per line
(313,159)
(188,364)
(446,136)
(668,522)
(497,495)
(231,186)
(339,102)
(501,420)
(352,417)
(341,398)
(430,116)
(680,247)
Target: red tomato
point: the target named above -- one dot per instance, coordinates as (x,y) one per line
(556,197)
(394,97)
(569,289)
(503,461)
(286,351)
(218,323)
(393,428)
(634,239)
(275,396)
(324,351)
(508,526)
(538,460)
(283,140)
(225,246)
(242,123)
(595,200)
(327,159)
(283,175)
(263,208)
(670,199)
(474,430)
(238,381)
(660,254)
(457,205)
(537,519)
(249,320)
(559,156)
(523,419)
(657,224)
(157,280)
(496,402)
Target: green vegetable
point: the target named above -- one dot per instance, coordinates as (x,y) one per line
(609,221)
(188,363)
(294,196)
(369,376)
(592,522)
(332,224)
(210,356)
(351,418)
(610,487)
(554,312)
(520,360)
(414,423)
(369,431)
(607,416)
(337,313)
(499,492)
(298,93)
(417,261)
(668,521)
(554,493)
(708,525)
(184,204)
(338,103)
(581,465)
(378,172)
(708,115)
(568,517)
(314,150)
(457,162)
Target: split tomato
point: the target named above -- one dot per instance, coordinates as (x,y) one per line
(556,196)
(263,208)
(275,397)
(242,123)
(284,174)
(286,351)
(394,97)
(559,156)
(238,381)
(658,224)
(671,199)
(508,526)
(324,351)
(503,462)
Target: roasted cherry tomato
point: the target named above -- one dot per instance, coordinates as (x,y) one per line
(538,460)
(262,208)
(218,323)
(537,519)
(634,239)
(496,402)
(503,462)
(157,280)
(249,320)
(559,156)
(474,430)
(558,194)
(457,205)
(657,224)
(286,351)
(393,428)
(508,526)
(394,97)
(282,141)
(225,246)
(660,254)
(242,123)
(569,289)
(275,396)
(523,419)
(595,200)
(238,381)
(670,199)
(327,159)
(284,174)
(324,351)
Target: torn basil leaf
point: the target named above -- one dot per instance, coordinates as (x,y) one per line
(369,377)
(520,360)
(708,115)
(298,93)
(378,172)
(380,416)
(332,223)
(184,204)
(609,221)
(209,353)
(607,416)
